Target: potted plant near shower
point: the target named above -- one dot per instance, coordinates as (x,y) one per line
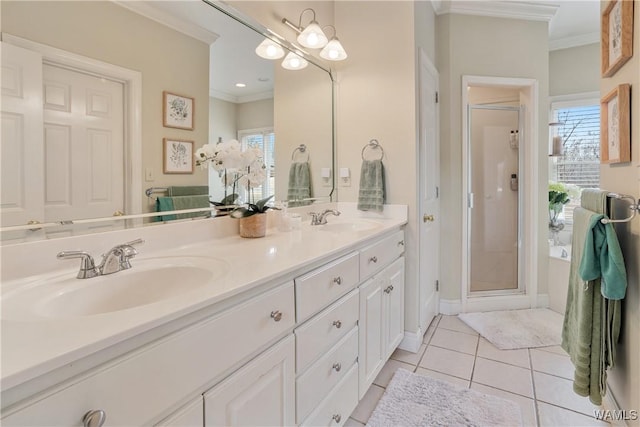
(239,168)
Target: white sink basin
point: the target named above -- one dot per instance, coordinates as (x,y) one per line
(350,226)
(148,281)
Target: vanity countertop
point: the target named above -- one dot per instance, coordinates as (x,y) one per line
(32,347)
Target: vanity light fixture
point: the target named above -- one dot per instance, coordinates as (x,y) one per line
(269,49)
(294,61)
(310,36)
(333,51)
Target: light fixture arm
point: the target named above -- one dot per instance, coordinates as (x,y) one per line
(332,27)
(302,13)
(298,28)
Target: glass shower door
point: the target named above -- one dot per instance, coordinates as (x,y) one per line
(494,182)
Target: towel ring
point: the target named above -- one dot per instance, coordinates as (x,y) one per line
(302,149)
(373,144)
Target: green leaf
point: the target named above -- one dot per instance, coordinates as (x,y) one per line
(260,204)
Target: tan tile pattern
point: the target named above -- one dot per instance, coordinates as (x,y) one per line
(538,380)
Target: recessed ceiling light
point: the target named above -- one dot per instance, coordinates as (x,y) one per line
(241,85)
(263,79)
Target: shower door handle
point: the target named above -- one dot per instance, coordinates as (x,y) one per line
(470,200)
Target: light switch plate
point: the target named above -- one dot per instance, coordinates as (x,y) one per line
(148,174)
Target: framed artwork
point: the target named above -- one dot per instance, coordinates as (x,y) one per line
(177,156)
(615,125)
(616,36)
(177,111)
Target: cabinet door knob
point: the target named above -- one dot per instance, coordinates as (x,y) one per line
(401,243)
(337,280)
(336,418)
(337,324)
(94,418)
(373,259)
(337,367)
(276,315)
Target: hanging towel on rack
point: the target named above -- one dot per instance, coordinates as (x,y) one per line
(299,184)
(189,190)
(371,196)
(592,322)
(164,204)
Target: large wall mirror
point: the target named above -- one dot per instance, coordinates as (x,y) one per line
(84,131)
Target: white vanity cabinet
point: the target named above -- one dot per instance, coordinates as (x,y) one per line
(381,321)
(260,393)
(191,415)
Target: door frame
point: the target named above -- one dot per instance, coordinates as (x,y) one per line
(132,81)
(528,183)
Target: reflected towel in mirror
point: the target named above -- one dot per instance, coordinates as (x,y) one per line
(299,184)
(165,204)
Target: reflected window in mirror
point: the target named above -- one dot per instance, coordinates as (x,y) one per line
(264,140)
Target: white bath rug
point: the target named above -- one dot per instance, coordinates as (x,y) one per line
(513,329)
(413,400)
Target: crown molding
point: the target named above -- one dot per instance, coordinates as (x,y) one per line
(574,41)
(240,99)
(497,9)
(174,21)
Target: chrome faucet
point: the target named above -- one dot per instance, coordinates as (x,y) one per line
(116,259)
(321,218)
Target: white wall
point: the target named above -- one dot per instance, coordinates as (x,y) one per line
(624,378)
(484,46)
(574,70)
(254,114)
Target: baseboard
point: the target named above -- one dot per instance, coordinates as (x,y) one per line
(450,307)
(543,300)
(411,341)
(609,403)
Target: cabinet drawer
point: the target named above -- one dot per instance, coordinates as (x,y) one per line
(322,376)
(324,330)
(336,408)
(375,257)
(320,287)
(140,386)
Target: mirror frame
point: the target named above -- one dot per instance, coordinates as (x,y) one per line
(264,31)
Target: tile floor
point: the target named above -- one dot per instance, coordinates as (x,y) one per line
(538,379)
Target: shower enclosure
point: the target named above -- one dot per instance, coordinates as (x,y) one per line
(495,199)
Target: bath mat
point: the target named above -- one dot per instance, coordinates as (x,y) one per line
(415,400)
(513,329)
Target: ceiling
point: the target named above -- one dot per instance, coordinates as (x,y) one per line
(575,23)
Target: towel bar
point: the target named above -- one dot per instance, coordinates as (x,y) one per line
(301,148)
(634,207)
(373,144)
(152,190)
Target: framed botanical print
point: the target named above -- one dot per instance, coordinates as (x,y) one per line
(177,111)
(177,156)
(616,36)
(615,125)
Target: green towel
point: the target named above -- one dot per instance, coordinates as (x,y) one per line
(164,204)
(371,196)
(602,258)
(591,323)
(299,184)
(191,190)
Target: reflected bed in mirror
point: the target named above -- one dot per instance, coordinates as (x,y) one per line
(97,144)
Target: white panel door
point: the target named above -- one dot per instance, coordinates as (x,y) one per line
(428,187)
(21,158)
(371,351)
(83,145)
(262,393)
(393,310)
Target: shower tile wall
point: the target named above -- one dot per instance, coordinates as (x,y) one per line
(494,218)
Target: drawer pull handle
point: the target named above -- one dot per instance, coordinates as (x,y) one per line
(336,418)
(94,418)
(337,280)
(337,367)
(337,324)
(373,259)
(276,315)
(401,243)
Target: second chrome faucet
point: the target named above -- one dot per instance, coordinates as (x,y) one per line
(321,218)
(116,259)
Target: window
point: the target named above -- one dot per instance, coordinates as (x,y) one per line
(264,139)
(580,132)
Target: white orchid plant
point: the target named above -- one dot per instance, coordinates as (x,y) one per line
(236,167)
